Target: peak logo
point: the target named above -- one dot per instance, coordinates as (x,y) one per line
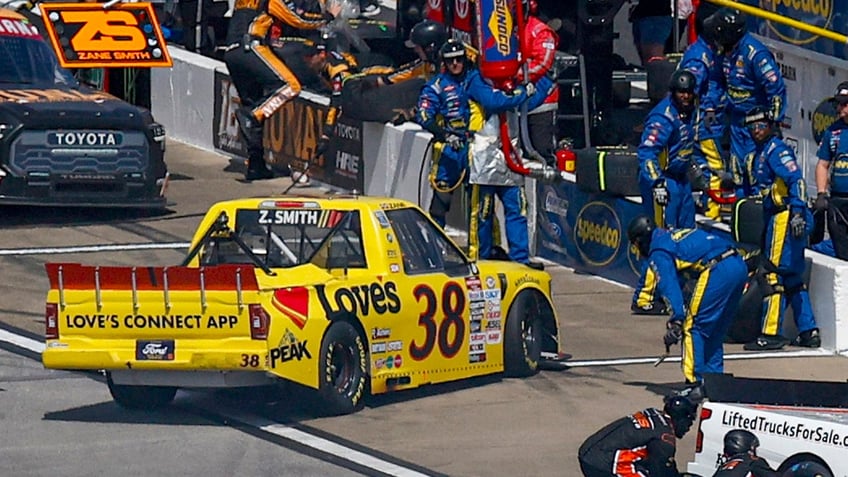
(597,234)
(813,12)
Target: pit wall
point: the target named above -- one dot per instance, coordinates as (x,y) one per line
(195,101)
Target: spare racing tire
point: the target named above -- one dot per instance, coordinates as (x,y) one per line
(746,325)
(523,336)
(342,370)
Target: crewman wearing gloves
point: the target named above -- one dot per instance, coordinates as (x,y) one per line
(789,221)
(753,80)
(702,60)
(720,274)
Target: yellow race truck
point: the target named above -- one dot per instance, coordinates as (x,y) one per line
(345,295)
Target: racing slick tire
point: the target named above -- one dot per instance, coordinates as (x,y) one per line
(342,370)
(523,336)
(144,398)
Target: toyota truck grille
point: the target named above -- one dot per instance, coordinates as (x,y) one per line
(79,151)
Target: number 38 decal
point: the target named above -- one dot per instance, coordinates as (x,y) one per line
(452,307)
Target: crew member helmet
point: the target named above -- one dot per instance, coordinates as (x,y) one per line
(807,469)
(740,441)
(427,34)
(683,81)
(758,114)
(841,95)
(726,27)
(682,413)
(639,233)
(452,49)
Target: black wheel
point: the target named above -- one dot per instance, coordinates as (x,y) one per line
(145,398)
(342,370)
(523,336)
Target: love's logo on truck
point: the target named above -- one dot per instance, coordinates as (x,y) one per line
(91,36)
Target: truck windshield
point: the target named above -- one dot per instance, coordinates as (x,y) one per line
(29,60)
(283,238)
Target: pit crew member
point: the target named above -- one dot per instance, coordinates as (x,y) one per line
(444,110)
(832,174)
(753,80)
(643,443)
(719,273)
(702,60)
(740,457)
(788,220)
(262,80)
(665,164)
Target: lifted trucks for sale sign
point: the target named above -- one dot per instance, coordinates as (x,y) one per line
(87,35)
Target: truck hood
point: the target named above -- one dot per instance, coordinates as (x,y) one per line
(60,107)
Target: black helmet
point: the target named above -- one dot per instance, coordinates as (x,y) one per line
(841,95)
(807,469)
(740,441)
(758,114)
(683,81)
(682,413)
(452,49)
(639,233)
(429,35)
(725,27)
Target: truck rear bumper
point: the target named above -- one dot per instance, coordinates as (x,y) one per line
(235,354)
(192,379)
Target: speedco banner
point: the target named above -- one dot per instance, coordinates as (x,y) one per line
(828,14)
(587,232)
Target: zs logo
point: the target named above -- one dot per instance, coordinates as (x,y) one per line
(107,30)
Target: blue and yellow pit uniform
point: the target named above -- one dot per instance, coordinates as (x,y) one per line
(834,152)
(753,79)
(780,181)
(664,153)
(702,60)
(490,177)
(444,110)
(720,274)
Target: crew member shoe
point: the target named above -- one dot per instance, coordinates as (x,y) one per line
(808,339)
(258,173)
(370,10)
(300,179)
(766,342)
(655,308)
(536,265)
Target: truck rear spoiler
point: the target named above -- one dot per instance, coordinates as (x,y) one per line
(778,392)
(237,278)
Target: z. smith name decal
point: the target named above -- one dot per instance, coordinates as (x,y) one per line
(157,322)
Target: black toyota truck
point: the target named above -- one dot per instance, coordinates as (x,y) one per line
(64,144)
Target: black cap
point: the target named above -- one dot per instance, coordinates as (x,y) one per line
(841,95)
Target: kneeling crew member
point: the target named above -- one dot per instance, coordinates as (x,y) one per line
(740,457)
(643,443)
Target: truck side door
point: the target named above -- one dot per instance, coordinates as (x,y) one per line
(438,291)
